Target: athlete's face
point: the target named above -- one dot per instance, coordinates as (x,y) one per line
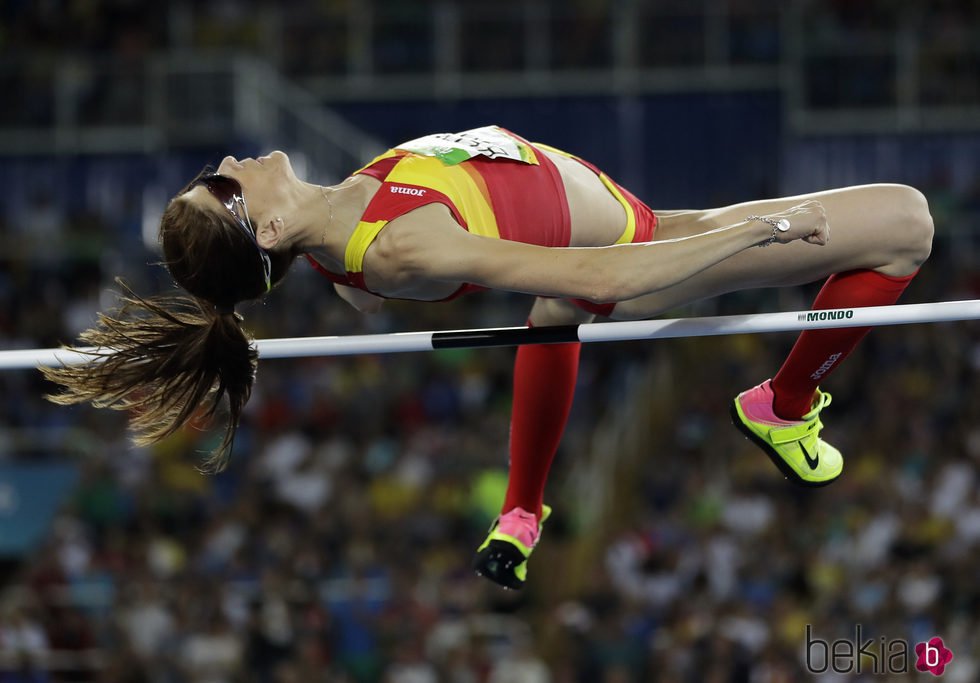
(263,180)
(264,183)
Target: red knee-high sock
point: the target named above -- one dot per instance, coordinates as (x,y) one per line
(544,383)
(818,352)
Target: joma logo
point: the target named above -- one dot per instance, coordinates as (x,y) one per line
(395,189)
(827,364)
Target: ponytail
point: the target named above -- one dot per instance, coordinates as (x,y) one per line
(164,358)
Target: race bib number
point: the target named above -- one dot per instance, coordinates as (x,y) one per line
(453,148)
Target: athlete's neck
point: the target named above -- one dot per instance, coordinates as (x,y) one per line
(327,219)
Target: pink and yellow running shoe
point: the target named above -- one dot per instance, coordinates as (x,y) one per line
(503,556)
(793,445)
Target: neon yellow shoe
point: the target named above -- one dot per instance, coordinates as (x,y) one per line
(793,445)
(503,556)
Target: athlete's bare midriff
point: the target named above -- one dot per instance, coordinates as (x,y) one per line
(597,217)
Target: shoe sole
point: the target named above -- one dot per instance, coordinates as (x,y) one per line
(497,562)
(777,459)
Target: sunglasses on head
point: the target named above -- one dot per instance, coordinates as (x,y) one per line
(228,191)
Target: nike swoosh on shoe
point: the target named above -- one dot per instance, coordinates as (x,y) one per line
(812,462)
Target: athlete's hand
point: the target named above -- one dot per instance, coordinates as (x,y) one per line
(807,222)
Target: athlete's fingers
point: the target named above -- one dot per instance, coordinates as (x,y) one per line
(820,234)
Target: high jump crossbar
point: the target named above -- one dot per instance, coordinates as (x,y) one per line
(400,342)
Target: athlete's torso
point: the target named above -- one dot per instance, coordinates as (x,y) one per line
(491,183)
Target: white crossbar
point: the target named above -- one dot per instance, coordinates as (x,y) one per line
(400,342)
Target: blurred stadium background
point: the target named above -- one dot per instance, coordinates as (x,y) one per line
(336,548)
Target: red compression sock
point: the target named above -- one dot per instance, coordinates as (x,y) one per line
(818,352)
(544,384)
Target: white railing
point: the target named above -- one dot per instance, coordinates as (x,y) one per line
(483,49)
(181,98)
(896,76)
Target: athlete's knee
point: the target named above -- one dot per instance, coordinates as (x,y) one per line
(920,225)
(911,229)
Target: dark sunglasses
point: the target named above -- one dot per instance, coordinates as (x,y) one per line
(228,191)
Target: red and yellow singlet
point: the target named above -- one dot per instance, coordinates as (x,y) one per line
(494,183)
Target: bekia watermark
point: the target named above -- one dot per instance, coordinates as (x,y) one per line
(874,655)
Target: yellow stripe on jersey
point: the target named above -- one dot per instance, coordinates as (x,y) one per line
(358,244)
(541,145)
(389,153)
(630,230)
(454,182)
(479,181)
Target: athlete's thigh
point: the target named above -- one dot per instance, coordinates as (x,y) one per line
(864,222)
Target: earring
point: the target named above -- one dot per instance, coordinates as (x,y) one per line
(279,219)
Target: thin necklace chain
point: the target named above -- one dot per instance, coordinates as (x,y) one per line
(323,238)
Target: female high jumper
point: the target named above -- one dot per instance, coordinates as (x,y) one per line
(447,214)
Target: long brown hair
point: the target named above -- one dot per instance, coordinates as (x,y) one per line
(173,359)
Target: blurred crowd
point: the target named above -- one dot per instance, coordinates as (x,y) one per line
(336,546)
(865,54)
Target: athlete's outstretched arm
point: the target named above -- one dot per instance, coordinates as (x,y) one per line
(616,273)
